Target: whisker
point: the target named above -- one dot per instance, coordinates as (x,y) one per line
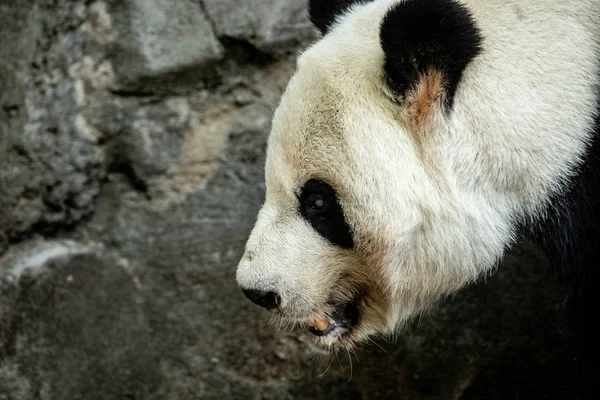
(349,359)
(329,366)
(377,344)
(355,355)
(339,362)
(314,355)
(317,357)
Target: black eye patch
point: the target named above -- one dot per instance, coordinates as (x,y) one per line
(320,207)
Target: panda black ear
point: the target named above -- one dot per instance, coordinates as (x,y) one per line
(324,12)
(427,45)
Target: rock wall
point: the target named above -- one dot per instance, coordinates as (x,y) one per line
(132,137)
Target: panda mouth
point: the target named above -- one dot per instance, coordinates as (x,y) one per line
(340,320)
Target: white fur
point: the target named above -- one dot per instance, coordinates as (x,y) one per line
(425,221)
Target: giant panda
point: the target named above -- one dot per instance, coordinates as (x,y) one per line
(415,142)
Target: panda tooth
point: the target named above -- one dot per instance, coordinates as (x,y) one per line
(321,323)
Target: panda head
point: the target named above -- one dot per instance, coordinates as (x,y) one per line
(363,225)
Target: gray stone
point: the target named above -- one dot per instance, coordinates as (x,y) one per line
(272,26)
(96,344)
(19,37)
(50,173)
(148,139)
(32,257)
(157,40)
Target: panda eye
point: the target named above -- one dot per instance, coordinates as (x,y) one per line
(316,203)
(320,207)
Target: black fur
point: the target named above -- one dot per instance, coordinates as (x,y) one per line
(324,12)
(417,35)
(320,207)
(570,234)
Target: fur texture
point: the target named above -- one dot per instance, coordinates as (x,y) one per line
(433,199)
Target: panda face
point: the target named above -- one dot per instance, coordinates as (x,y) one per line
(343,234)
(380,198)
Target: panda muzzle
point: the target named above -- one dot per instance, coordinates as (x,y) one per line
(343,318)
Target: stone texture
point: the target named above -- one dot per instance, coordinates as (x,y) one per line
(50,173)
(79,332)
(147,138)
(132,145)
(272,26)
(20,39)
(160,39)
(14,56)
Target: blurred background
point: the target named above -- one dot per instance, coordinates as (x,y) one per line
(132,143)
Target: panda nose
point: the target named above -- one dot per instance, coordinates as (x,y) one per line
(268,300)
